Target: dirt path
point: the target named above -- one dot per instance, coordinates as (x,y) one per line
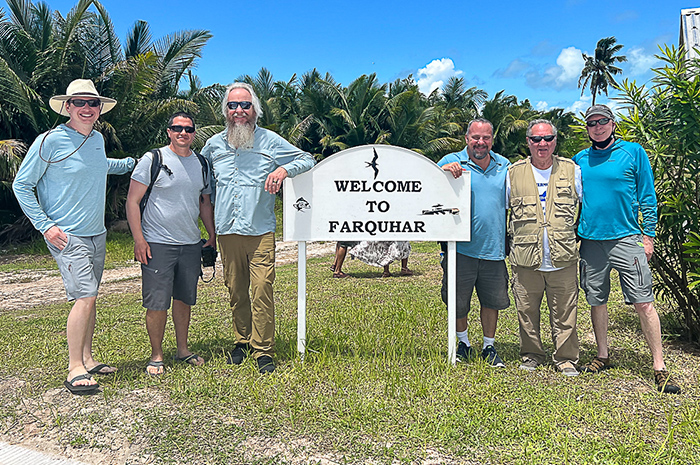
(27,289)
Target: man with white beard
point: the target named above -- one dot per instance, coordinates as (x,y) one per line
(249,164)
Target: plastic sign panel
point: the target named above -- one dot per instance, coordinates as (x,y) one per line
(378,193)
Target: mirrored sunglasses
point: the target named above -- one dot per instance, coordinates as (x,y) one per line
(78,102)
(601,121)
(234,105)
(177,128)
(538,139)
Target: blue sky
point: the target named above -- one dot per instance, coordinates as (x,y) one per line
(529,49)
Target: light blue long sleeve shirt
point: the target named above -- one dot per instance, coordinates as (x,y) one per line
(618,184)
(241,204)
(70,192)
(488,234)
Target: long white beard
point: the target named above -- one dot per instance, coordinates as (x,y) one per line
(240,136)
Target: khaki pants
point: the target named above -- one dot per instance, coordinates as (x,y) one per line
(561,287)
(249,271)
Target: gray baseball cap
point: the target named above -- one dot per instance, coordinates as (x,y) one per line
(601,110)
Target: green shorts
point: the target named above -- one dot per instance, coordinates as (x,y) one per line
(627,256)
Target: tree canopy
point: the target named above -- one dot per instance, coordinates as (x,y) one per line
(42,51)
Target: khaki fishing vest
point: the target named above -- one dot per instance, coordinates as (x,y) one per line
(527,220)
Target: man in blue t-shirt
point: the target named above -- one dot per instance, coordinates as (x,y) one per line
(618,185)
(481,262)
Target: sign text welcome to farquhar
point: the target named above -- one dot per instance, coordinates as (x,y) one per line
(378,193)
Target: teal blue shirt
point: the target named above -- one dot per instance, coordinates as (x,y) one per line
(488,189)
(70,192)
(241,204)
(618,185)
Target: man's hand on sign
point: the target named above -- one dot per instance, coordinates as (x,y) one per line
(455,168)
(274,181)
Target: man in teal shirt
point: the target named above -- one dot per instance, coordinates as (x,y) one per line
(618,185)
(68,168)
(481,262)
(249,164)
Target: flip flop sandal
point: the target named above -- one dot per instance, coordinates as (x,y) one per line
(156,364)
(340,274)
(97,369)
(189,359)
(80,389)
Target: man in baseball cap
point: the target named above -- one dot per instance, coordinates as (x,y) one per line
(618,185)
(68,168)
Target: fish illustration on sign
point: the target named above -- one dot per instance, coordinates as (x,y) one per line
(301,204)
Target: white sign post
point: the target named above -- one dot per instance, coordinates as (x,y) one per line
(377,193)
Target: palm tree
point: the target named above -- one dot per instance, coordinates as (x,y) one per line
(358,114)
(42,51)
(409,116)
(598,70)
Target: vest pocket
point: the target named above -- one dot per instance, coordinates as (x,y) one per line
(562,246)
(526,250)
(565,209)
(523,208)
(563,188)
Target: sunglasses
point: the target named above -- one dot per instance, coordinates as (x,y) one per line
(538,139)
(187,129)
(234,105)
(601,121)
(78,102)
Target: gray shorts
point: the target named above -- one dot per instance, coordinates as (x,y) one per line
(81,263)
(627,256)
(172,273)
(490,277)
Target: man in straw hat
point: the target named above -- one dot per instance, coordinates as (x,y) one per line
(68,168)
(618,190)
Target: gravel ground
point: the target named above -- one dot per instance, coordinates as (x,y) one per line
(27,289)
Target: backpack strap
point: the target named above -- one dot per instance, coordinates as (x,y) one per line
(156,166)
(205,168)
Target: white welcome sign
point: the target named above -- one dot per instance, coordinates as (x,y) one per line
(377,193)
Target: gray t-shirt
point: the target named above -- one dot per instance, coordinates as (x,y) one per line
(172,211)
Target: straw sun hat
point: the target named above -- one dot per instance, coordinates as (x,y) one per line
(80,88)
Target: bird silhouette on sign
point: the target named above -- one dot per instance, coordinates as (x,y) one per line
(373,164)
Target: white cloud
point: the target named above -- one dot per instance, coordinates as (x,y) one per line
(640,62)
(542,106)
(579,106)
(562,76)
(435,73)
(570,63)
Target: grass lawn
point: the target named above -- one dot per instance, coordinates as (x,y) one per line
(375,386)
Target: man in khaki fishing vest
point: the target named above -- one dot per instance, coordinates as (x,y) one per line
(543,194)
